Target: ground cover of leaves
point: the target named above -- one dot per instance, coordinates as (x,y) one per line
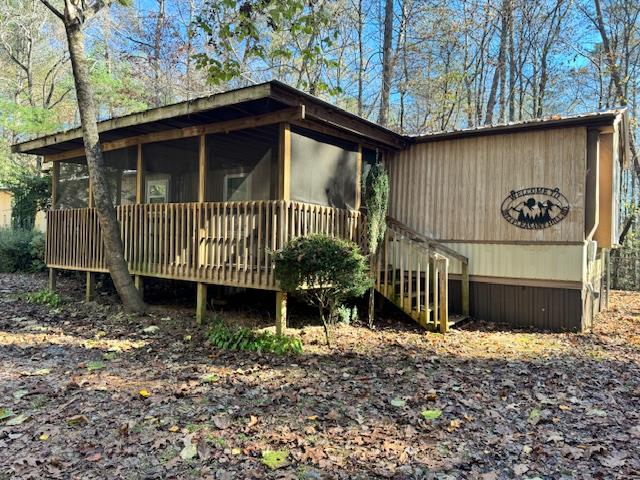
(88,392)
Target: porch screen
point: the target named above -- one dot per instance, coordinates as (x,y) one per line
(323,169)
(121,174)
(171,171)
(73,184)
(242,165)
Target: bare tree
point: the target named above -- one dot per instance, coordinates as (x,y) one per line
(74,16)
(387,64)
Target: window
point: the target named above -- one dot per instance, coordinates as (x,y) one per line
(236,187)
(157,190)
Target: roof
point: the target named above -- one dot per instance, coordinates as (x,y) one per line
(235,104)
(592,119)
(274,96)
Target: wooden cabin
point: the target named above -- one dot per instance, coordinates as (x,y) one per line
(506,223)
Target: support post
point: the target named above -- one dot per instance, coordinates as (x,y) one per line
(358,178)
(53,273)
(90,290)
(284,163)
(465,289)
(281,313)
(138,281)
(443,279)
(201,302)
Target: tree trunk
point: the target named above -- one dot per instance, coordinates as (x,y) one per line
(360,58)
(385,89)
(106,212)
(491,102)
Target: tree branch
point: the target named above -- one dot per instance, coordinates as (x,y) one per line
(53,9)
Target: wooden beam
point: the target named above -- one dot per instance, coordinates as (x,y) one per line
(284,163)
(326,113)
(281,313)
(55,179)
(202,170)
(90,290)
(464,293)
(139,176)
(284,115)
(358,178)
(310,124)
(90,199)
(201,302)
(443,289)
(254,92)
(53,273)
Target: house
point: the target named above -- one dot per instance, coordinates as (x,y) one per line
(510,223)
(6,209)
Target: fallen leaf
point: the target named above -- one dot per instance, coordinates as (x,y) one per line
(77,420)
(174,428)
(454,425)
(431,414)
(520,469)
(274,459)
(615,459)
(36,373)
(221,421)
(5,413)
(397,402)
(96,365)
(151,329)
(18,420)
(44,437)
(534,417)
(94,458)
(253,421)
(189,451)
(144,393)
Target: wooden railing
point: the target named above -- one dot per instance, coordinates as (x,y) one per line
(227,243)
(412,271)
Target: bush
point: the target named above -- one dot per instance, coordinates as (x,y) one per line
(21,250)
(222,336)
(323,271)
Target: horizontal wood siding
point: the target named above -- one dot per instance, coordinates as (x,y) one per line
(453,189)
(225,243)
(554,309)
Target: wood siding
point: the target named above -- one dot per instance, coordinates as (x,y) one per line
(453,189)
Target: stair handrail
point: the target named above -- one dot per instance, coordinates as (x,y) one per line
(411,234)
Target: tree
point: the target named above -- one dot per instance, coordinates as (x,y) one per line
(74,16)
(324,271)
(387,64)
(376,199)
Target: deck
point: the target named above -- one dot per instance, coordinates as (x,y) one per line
(222,243)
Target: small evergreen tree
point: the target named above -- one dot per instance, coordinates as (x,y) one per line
(324,272)
(376,200)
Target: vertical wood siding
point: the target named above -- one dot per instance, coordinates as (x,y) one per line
(453,189)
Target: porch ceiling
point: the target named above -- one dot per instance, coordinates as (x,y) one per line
(235,104)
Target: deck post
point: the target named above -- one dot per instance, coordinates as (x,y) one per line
(284,163)
(53,273)
(201,302)
(138,282)
(90,290)
(464,293)
(137,279)
(443,278)
(281,313)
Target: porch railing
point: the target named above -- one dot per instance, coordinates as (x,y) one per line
(226,243)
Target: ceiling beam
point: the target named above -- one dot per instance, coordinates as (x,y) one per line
(292,115)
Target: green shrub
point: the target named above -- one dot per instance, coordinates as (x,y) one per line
(21,250)
(45,297)
(224,337)
(346,314)
(323,271)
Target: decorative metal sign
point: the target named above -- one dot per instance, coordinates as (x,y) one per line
(535,208)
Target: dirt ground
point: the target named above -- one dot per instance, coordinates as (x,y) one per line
(89,392)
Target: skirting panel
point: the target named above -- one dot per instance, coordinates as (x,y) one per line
(555,309)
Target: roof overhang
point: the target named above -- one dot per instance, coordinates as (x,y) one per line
(232,106)
(592,120)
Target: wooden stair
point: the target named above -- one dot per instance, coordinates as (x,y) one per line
(412,272)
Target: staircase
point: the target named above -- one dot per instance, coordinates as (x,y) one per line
(412,271)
